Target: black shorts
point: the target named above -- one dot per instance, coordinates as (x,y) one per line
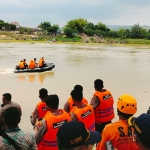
(100,127)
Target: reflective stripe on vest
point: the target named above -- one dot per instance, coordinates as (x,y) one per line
(71,104)
(85,115)
(105,111)
(53,123)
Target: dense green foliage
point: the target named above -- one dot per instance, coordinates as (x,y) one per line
(7,26)
(46,26)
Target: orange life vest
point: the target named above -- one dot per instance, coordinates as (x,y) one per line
(71,103)
(105,111)
(40,62)
(41,107)
(21,65)
(49,141)
(85,115)
(32,65)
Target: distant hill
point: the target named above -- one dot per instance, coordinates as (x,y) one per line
(117,27)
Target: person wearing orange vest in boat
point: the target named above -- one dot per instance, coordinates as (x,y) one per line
(102,103)
(69,104)
(21,65)
(36,64)
(82,112)
(54,118)
(31,65)
(40,110)
(25,64)
(119,133)
(42,62)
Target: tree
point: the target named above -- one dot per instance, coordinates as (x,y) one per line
(121,33)
(53,29)
(136,31)
(1,21)
(77,24)
(45,25)
(101,26)
(69,32)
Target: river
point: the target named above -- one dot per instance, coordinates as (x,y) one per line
(124,69)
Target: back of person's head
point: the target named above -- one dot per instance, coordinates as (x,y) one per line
(141,125)
(52,101)
(43,93)
(7,96)
(34,59)
(74,134)
(126,106)
(12,117)
(78,87)
(24,59)
(98,84)
(77,95)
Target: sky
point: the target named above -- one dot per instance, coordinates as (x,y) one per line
(31,13)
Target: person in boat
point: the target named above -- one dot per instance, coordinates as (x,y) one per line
(31,65)
(21,65)
(36,64)
(42,62)
(40,110)
(70,104)
(46,133)
(25,64)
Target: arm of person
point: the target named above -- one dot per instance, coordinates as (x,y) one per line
(95,102)
(67,107)
(73,117)
(1,116)
(34,116)
(40,132)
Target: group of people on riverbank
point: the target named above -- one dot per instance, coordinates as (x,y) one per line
(32,64)
(78,125)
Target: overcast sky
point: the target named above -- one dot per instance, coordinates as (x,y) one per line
(110,12)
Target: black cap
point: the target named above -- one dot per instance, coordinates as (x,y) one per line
(141,125)
(73,134)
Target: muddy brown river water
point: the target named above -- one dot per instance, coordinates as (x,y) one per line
(124,69)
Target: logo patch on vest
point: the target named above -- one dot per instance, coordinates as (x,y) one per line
(44,108)
(58,124)
(86,114)
(106,97)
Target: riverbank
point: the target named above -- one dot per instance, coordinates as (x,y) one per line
(11,37)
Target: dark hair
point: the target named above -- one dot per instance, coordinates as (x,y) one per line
(125,116)
(43,93)
(78,87)
(12,117)
(34,58)
(77,95)
(98,84)
(7,96)
(24,59)
(52,101)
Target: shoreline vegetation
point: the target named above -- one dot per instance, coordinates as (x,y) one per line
(4,38)
(76,31)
